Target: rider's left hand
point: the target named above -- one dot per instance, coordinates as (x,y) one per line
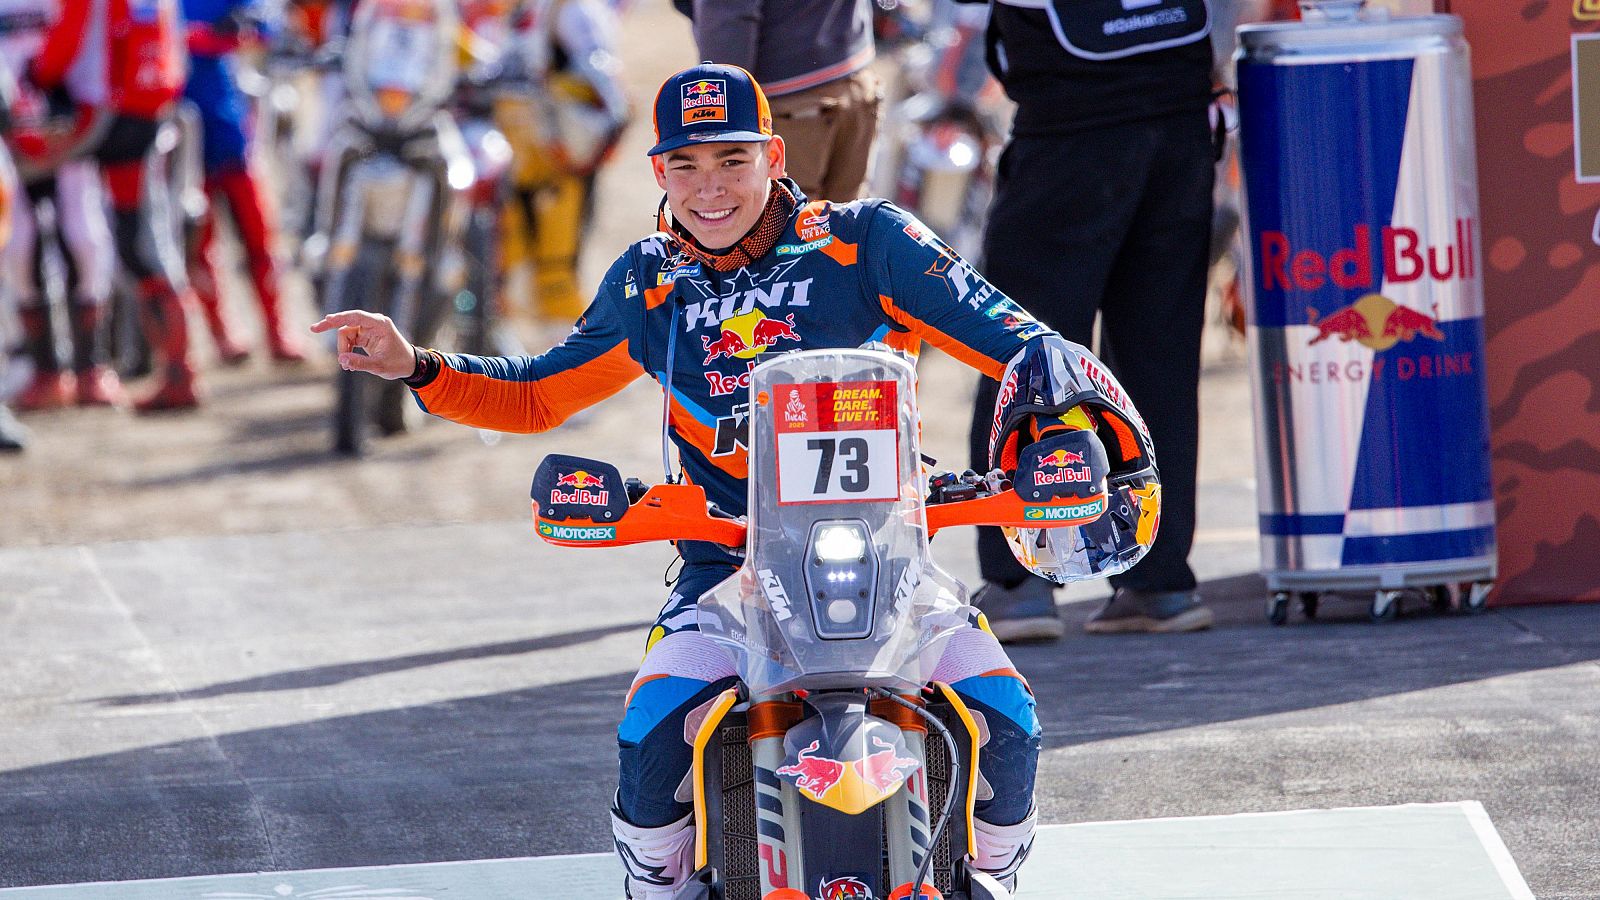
(387,353)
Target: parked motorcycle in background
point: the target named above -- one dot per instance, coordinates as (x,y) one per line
(490,67)
(393,194)
(941,141)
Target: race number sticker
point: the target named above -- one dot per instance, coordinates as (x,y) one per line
(837,443)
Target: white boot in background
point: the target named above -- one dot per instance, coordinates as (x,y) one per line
(1002,848)
(659,861)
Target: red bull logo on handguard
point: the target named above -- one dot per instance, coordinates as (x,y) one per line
(586,489)
(815,775)
(845,888)
(747,335)
(1070,468)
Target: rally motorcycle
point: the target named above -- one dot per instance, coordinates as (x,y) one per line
(836,769)
(392,200)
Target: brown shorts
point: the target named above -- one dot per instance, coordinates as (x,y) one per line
(828,132)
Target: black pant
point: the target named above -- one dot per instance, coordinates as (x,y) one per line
(1115,220)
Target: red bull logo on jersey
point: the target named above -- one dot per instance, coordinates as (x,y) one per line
(845,888)
(884,768)
(812,774)
(1374,321)
(1405,258)
(748,335)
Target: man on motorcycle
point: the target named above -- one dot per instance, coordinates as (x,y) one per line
(126,57)
(743,263)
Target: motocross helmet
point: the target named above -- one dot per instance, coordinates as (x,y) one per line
(1054,385)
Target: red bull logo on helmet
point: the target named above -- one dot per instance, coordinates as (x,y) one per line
(812,774)
(847,887)
(748,335)
(705,100)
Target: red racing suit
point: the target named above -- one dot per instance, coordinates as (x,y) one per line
(133,60)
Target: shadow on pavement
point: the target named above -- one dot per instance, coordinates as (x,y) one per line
(323,676)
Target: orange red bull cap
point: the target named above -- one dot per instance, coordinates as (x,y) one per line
(708,103)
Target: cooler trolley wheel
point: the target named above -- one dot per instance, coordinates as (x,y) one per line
(1385,606)
(1278,608)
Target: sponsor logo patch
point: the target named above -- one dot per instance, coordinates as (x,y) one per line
(574,533)
(1058,513)
(705,100)
(797,249)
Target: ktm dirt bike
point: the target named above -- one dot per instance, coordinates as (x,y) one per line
(835,769)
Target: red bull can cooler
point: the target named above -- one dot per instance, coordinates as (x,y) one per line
(1366,305)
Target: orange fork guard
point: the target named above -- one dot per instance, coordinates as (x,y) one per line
(667,512)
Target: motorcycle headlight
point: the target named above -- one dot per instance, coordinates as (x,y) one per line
(841,578)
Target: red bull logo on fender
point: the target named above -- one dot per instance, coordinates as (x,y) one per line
(747,335)
(845,888)
(884,769)
(815,775)
(1286,267)
(705,100)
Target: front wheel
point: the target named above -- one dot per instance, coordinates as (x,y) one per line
(359,287)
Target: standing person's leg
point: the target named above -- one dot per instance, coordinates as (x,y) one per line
(859,109)
(1062,207)
(81,216)
(1153,313)
(202,263)
(808,123)
(50,388)
(122,161)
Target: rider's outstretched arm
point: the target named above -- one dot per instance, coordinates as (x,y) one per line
(520,394)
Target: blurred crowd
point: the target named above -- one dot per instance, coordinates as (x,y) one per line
(136,130)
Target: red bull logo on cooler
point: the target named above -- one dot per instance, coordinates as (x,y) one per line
(1374,321)
(845,888)
(747,335)
(1286,267)
(812,774)
(705,100)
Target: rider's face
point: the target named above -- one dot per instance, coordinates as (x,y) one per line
(718,190)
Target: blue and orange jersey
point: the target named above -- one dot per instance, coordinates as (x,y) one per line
(842,275)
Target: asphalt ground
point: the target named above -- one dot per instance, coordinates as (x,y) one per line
(224,650)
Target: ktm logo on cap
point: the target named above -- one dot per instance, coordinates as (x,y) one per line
(705,100)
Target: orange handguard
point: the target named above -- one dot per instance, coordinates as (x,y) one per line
(667,512)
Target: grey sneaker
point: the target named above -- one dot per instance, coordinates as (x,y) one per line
(1026,612)
(1159,612)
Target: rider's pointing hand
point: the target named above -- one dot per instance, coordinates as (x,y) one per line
(388,355)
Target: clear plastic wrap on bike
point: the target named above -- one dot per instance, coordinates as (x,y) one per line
(837,588)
